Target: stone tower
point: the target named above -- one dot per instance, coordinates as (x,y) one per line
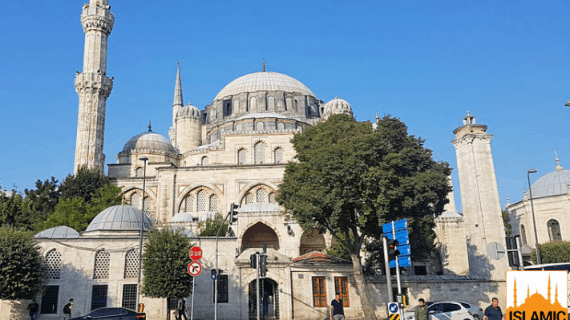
(480,199)
(93,86)
(186,131)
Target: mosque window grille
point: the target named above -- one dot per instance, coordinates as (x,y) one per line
(248,198)
(101,269)
(148,206)
(278,155)
(99,296)
(259,153)
(53,264)
(213,203)
(281,126)
(49,300)
(130,296)
(136,200)
(242,156)
(272,198)
(201,201)
(131,264)
(554,230)
(204,161)
(188,204)
(523,235)
(260,196)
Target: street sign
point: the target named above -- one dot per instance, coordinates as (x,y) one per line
(393,307)
(401,235)
(403,261)
(194,268)
(398,225)
(405,250)
(196,253)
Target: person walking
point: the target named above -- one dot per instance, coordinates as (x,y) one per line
(493,312)
(421,312)
(337,310)
(67,310)
(34,307)
(182,309)
(265,303)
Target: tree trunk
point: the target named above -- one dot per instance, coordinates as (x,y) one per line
(361,288)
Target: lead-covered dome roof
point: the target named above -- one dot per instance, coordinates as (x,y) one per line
(150,141)
(120,218)
(189,111)
(264,81)
(336,106)
(61,232)
(552,184)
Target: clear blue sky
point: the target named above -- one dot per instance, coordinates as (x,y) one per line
(426,62)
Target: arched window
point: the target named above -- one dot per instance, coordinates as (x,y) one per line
(187,204)
(523,234)
(136,200)
(242,156)
(101,269)
(288,103)
(280,126)
(213,203)
(140,172)
(259,153)
(260,196)
(296,108)
(554,230)
(239,127)
(252,104)
(201,201)
(272,198)
(259,126)
(248,198)
(132,264)
(148,206)
(53,264)
(278,155)
(204,161)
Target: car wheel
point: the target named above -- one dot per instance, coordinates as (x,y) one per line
(476,317)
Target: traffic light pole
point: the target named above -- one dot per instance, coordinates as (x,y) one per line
(388,273)
(257,283)
(217,273)
(398,273)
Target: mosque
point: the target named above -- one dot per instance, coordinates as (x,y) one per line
(234,151)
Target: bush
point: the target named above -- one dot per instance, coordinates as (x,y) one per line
(553,252)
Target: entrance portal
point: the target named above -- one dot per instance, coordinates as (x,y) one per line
(268,299)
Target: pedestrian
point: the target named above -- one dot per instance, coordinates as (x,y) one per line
(265,303)
(337,310)
(493,312)
(421,312)
(182,309)
(67,310)
(34,307)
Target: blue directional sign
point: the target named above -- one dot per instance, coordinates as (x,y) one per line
(398,225)
(401,235)
(393,307)
(405,250)
(403,261)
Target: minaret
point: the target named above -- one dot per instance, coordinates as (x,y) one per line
(548,292)
(176,106)
(515,294)
(480,199)
(93,86)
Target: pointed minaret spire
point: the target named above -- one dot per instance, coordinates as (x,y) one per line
(149,126)
(556,294)
(377,117)
(178,89)
(548,292)
(558,167)
(515,294)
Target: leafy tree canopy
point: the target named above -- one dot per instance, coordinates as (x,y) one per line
(21,270)
(165,265)
(210,227)
(11,213)
(553,252)
(83,184)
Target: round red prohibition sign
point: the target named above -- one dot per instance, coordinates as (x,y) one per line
(196,253)
(194,268)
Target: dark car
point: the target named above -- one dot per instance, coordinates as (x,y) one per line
(113,314)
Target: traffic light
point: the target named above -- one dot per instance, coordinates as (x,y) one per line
(233,213)
(393,251)
(214,274)
(262,265)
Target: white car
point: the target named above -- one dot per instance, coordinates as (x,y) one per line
(443,310)
(475,310)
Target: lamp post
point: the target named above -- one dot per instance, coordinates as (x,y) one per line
(538,260)
(143,159)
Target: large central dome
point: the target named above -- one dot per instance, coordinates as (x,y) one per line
(263,81)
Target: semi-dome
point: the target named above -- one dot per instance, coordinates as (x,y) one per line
(336,106)
(61,232)
(120,218)
(149,141)
(188,111)
(552,184)
(264,81)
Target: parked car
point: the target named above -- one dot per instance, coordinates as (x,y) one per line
(443,310)
(475,310)
(113,314)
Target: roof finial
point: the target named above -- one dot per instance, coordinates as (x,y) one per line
(149,126)
(262,65)
(558,167)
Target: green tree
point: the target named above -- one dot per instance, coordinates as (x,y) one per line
(11,213)
(77,213)
(83,184)
(165,264)
(350,179)
(507,223)
(210,227)
(41,202)
(21,270)
(553,252)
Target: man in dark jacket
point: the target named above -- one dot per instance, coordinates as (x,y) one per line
(34,307)
(182,309)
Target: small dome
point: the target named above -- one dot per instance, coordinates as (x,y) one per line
(336,106)
(189,111)
(264,81)
(149,141)
(185,231)
(552,184)
(120,218)
(61,232)
(182,217)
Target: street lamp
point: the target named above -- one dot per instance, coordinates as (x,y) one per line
(143,159)
(538,260)
(567,103)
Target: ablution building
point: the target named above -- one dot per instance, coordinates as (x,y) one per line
(235,150)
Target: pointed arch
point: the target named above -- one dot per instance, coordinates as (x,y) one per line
(258,235)
(259,152)
(554,230)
